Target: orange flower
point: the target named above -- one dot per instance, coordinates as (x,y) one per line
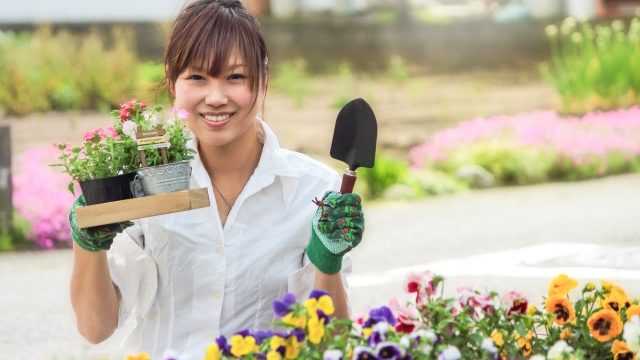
(604,325)
(561,285)
(562,308)
(525,343)
(566,334)
(621,351)
(633,310)
(616,299)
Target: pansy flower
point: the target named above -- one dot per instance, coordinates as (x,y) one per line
(450,353)
(562,308)
(377,315)
(389,351)
(332,354)
(616,300)
(604,325)
(242,344)
(284,306)
(561,285)
(316,329)
(633,310)
(620,351)
(140,356)
(364,353)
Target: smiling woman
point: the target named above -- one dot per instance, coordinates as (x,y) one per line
(186,278)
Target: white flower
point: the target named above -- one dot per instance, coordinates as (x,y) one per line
(129,128)
(152,119)
(427,349)
(537,357)
(632,334)
(405,342)
(381,328)
(559,350)
(332,354)
(425,334)
(450,353)
(489,346)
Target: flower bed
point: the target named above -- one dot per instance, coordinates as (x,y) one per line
(538,146)
(600,323)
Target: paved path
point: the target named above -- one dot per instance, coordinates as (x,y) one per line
(502,239)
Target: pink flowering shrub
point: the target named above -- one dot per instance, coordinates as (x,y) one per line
(40,197)
(538,146)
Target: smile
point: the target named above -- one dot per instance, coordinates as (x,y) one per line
(216,120)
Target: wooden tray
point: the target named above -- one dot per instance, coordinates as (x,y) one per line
(123,210)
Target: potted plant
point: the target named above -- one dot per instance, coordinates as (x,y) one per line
(162,144)
(103,165)
(112,163)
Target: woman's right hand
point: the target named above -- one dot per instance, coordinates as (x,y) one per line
(94,238)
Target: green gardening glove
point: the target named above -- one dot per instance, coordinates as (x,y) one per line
(336,228)
(93,238)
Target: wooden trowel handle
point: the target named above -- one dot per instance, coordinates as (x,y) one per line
(348,181)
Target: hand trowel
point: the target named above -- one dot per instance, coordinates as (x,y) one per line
(354,140)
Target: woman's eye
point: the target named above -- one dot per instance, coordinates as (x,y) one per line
(195,77)
(237,77)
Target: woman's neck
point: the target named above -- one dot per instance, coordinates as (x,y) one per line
(236,159)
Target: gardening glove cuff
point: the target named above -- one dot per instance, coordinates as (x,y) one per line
(93,238)
(337,227)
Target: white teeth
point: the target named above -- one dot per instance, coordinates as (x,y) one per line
(216,118)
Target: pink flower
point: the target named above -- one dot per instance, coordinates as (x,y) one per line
(515,302)
(408,317)
(180,113)
(422,285)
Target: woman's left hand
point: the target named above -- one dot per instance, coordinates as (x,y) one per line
(337,227)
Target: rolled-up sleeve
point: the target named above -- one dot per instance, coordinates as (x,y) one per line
(134,273)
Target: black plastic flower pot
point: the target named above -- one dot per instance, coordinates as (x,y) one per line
(114,188)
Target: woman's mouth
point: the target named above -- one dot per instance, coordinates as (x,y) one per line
(216,120)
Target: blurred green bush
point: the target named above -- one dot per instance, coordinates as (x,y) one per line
(594,67)
(48,70)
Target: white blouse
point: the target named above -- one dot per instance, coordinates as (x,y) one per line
(184,279)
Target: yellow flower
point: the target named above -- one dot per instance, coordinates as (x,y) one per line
(497,338)
(324,304)
(274,355)
(212,352)
(243,345)
(566,334)
(561,285)
(276,342)
(316,329)
(616,300)
(621,351)
(367,331)
(140,356)
(297,321)
(633,310)
(562,308)
(532,310)
(525,343)
(292,347)
(604,325)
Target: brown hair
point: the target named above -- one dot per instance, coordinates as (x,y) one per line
(206,32)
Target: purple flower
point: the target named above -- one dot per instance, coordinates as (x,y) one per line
(377,315)
(322,315)
(222,344)
(260,335)
(282,308)
(364,353)
(316,294)
(299,334)
(389,351)
(332,354)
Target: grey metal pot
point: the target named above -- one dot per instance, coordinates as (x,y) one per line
(160,179)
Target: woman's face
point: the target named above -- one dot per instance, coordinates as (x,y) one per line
(220,108)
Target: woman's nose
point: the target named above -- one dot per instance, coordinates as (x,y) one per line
(216,95)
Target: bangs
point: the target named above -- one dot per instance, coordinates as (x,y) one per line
(204,37)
